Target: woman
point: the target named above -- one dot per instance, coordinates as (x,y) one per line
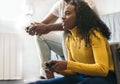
(89,56)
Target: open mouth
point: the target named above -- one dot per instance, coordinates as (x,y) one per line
(63,23)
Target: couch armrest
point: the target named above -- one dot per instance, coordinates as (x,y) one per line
(115,48)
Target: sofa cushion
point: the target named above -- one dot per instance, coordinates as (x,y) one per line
(113,22)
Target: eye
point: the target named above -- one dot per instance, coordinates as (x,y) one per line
(67,13)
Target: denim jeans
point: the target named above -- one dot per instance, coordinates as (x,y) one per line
(80,79)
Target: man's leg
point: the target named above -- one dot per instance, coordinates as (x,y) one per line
(54,41)
(64,35)
(56,47)
(46,44)
(44,53)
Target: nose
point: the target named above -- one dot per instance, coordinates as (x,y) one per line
(63,17)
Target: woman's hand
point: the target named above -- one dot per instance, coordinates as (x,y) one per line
(49,74)
(58,65)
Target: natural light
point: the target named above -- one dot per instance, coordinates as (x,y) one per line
(11,9)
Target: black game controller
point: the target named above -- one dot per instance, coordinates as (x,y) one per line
(49,65)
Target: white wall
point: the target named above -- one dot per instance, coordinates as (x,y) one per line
(35,10)
(107,6)
(11,9)
(13,19)
(38,8)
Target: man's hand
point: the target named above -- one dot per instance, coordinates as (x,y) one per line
(37,29)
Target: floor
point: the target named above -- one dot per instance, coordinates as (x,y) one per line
(12,82)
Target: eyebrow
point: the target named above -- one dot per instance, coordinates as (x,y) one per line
(69,10)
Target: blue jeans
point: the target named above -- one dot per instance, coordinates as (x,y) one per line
(80,79)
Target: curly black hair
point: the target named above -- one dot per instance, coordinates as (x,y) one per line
(87,19)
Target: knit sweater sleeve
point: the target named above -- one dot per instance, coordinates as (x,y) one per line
(68,72)
(100,54)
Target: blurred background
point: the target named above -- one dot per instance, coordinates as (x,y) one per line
(15,15)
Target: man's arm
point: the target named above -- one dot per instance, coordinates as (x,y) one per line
(45,26)
(51,18)
(50,23)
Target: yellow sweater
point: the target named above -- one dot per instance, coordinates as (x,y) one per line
(95,60)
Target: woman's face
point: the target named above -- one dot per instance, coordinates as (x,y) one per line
(69,17)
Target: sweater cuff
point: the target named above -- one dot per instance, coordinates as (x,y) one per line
(70,64)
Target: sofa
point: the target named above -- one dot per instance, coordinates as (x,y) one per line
(113,22)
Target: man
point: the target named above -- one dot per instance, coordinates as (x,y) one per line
(47,25)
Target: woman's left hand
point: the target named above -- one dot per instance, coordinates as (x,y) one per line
(58,65)
(49,74)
